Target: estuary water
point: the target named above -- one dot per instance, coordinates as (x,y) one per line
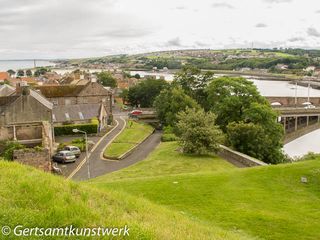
(5,65)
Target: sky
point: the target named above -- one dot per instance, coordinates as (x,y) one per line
(88,28)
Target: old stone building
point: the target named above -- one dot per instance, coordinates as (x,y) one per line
(79,103)
(26,117)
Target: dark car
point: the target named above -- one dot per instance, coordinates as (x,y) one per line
(64,157)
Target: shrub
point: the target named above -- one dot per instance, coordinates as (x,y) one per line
(169,137)
(9,147)
(67,129)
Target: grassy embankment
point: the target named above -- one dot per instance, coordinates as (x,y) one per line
(133,134)
(265,202)
(32,198)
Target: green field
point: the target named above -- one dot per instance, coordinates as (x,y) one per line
(133,134)
(264,202)
(32,198)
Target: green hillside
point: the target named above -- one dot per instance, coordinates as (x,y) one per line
(36,199)
(265,202)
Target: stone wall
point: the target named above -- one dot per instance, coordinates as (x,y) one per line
(36,158)
(289,137)
(244,159)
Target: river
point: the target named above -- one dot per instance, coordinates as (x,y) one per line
(5,65)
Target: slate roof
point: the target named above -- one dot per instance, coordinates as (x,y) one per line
(6,90)
(88,111)
(61,90)
(6,101)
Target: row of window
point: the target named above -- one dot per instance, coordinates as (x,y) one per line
(68,116)
(68,101)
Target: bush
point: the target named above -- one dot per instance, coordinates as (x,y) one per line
(79,142)
(169,137)
(9,147)
(67,129)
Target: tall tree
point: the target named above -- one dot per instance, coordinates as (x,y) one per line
(107,79)
(229,97)
(198,132)
(145,92)
(170,102)
(194,83)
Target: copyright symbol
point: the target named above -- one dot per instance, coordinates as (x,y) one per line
(6,230)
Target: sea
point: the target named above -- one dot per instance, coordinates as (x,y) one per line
(5,65)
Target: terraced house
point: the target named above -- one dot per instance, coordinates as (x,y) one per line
(79,103)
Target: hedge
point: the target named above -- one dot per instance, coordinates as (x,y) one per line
(67,129)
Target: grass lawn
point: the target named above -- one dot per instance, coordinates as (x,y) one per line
(265,202)
(167,160)
(133,134)
(32,198)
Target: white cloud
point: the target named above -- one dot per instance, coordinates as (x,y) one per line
(82,28)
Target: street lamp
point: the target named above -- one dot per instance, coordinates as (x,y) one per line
(86,138)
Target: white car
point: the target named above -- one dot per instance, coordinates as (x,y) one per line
(310,106)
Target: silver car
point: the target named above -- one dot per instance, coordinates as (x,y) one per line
(64,157)
(75,150)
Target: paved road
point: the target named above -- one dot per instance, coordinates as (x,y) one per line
(100,166)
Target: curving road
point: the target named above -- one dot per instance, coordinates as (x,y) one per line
(100,166)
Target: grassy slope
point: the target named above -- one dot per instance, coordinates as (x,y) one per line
(132,135)
(267,202)
(33,198)
(167,160)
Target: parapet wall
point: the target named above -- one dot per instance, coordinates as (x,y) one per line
(36,158)
(233,155)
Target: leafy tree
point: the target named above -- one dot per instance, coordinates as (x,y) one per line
(29,73)
(41,71)
(124,95)
(106,79)
(194,83)
(11,72)
(170,102)
(144,93)
(137,76)
(229,97)
(198,132)
(20,73)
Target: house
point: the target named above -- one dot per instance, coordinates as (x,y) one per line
(79,103)
(26,117)
(4,76)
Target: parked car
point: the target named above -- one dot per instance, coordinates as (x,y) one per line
(135,113)
(75,150)
(310,106)
(64,157)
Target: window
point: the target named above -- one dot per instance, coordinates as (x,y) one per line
(67,101)
(67,116)
(55,102)
(54,118)
(81,115)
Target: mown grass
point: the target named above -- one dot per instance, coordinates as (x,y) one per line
(132,135)
(265,202)
(168,160)
(32,198)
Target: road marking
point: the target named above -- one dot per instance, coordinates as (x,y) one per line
(101,154)
(89,154)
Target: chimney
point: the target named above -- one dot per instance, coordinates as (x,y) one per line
(22,89)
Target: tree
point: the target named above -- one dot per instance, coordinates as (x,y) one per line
(198,132)
(194,83)
(106,79)
(247,118)
(41,71)
(20,73)
(11,72)
(29,73)
(229,97)
(137,76)
(124,95)
(145,92)
(170,102)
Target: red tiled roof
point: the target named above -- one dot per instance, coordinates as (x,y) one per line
(4,76)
